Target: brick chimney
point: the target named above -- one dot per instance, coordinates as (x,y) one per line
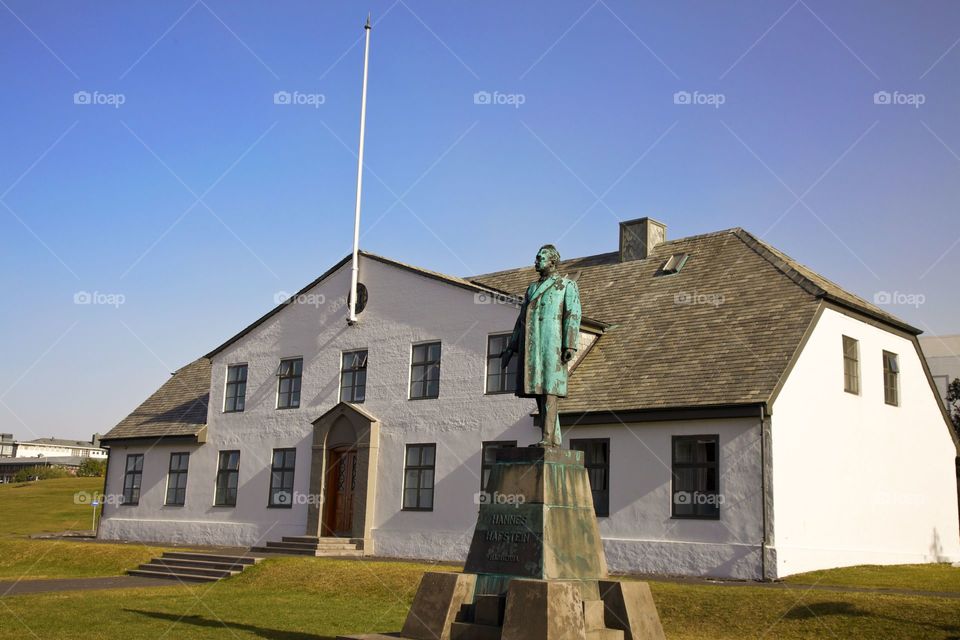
(639,237)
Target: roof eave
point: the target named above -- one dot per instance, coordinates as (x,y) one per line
(663,414)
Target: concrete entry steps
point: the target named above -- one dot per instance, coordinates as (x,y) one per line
(313,546)
(194,567)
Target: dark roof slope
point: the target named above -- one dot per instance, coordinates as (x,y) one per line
(720,332)
(178,408)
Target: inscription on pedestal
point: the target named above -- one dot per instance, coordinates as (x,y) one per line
(508,540)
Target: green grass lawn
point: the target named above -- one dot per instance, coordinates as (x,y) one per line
(48,506)
(918,577)
(317,598)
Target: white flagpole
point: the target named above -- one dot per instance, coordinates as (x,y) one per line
(355,269)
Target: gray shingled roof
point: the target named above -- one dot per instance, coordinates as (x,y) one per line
(178,408)
(720,332)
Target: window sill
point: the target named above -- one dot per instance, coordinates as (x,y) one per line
(232,411)
(279,506)
(425,398)
(712,518)
(224,506)
(287,408)
(497,393)
(421,509)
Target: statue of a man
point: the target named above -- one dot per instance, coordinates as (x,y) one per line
(545,338)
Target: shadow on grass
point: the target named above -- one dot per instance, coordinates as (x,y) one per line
(213,623)
(825,609)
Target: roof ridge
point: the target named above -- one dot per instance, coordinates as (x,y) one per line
(781,263)
(592,256)
(791,267)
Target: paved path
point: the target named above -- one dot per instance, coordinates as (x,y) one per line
(19,588)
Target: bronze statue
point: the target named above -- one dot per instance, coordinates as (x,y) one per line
(546,338)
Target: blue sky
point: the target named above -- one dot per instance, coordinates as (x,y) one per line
(197,198)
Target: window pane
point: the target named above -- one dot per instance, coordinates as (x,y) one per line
(434,352)
(426,479)
(410,499)
(426,499)
(428,455)
(419,353)
(412,479)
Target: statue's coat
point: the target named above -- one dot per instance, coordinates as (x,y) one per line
(549,322)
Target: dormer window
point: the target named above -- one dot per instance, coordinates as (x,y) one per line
(674,263)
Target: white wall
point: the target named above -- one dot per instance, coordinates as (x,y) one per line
(640,535)
(402,305)
(856,481)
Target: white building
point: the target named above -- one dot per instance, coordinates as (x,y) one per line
(59,447)
(741,416)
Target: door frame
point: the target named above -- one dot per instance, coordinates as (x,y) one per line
(345,426)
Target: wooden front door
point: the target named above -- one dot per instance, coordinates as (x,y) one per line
(341,482)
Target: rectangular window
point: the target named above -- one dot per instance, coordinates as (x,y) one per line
(228,478)
(177,479)
(488,457)
(281,478)
(500,379)
(353,376)
(132,477)
(289,374)
(236,388)
(851,365)
(696,477)
(418,477)
(596,458)
(891,378)
(425,371)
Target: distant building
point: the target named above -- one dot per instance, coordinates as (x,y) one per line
(57,447)
(6,445)
(943,358)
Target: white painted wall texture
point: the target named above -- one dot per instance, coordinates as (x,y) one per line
(857,481)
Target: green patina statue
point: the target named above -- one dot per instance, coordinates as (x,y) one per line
(546,338)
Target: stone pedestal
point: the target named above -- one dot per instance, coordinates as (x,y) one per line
(536,568)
